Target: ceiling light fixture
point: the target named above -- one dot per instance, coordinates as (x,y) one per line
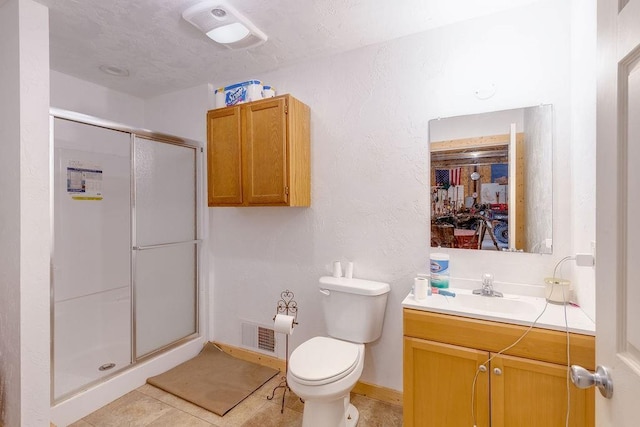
(224,25)
(113,70)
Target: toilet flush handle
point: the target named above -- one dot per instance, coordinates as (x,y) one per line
(326,292)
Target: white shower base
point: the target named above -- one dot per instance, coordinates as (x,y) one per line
(97,396)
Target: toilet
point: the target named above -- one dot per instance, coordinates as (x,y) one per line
(323,370)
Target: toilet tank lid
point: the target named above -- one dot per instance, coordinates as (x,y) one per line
(354,286)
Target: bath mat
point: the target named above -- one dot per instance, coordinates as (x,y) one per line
(214,380)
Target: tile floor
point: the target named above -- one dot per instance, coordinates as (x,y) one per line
(150,406)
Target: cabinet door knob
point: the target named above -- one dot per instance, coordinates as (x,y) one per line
(497,371)
(482,368)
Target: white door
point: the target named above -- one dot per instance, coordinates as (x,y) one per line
(617,210)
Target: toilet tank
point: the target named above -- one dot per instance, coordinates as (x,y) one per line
(353,308)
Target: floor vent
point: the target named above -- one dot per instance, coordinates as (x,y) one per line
(266,339)
(259,337)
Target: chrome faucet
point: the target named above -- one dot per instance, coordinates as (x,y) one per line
(487,287)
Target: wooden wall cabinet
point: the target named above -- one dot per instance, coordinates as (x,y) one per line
(258,154)
(525,386)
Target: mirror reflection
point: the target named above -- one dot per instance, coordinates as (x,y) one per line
(491,180)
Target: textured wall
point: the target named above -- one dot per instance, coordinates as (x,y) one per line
(24,214)
(70,93)
(9,217)
(583,147)
(369,120)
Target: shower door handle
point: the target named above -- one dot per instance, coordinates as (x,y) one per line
(165,245)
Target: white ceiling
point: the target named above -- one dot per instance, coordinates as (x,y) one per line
(165,53)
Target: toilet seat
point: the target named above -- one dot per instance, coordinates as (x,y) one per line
(323,360)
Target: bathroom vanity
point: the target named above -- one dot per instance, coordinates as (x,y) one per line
(447,343)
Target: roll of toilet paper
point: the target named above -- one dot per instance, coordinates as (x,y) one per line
(283,324)
(337,269)
(420,285)
(348,273)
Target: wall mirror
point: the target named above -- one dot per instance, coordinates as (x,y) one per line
(491,180)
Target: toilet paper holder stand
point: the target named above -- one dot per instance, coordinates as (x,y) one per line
(288,306)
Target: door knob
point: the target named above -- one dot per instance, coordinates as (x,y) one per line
(585,379)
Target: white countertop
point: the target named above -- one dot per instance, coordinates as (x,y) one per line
(551,316)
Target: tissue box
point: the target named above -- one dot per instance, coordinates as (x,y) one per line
(238,93)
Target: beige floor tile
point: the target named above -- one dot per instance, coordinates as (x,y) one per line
(175,417)
(81,423)
(235,417)
(245,411)
(374,413)
(152,391)
(180,404)
(151,406)
(269,416)
(132,410)
(291,401)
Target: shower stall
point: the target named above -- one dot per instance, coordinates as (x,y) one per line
(125,252)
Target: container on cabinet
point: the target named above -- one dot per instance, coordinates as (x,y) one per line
(268,91)
(238,93)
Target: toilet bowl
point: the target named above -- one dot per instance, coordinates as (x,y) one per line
(322,372)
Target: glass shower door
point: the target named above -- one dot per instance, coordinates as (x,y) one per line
(91,259)
(165,244)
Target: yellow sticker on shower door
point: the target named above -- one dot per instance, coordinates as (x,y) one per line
(84,180)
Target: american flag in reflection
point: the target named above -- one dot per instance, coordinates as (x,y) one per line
(454,176)
(442,177)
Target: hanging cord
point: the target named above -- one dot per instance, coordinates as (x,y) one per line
(566,328)
(524,334)
(475,378)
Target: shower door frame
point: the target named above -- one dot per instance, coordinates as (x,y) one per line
(56,113)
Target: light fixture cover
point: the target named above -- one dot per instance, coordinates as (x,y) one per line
(230,33)
(219,28)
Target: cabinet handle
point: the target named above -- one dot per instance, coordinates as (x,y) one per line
(497,371)
(482,368)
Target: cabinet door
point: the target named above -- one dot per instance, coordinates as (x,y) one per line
(224,157)
(266,153)
(438,383)
(532,393)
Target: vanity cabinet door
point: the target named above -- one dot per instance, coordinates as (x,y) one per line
(438,380)
(528,392)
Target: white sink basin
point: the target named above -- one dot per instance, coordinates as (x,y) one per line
(512,308)
(493,304)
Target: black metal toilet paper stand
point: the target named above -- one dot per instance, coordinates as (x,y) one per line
(288,306)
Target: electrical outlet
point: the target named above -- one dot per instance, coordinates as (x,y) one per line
(585,260)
